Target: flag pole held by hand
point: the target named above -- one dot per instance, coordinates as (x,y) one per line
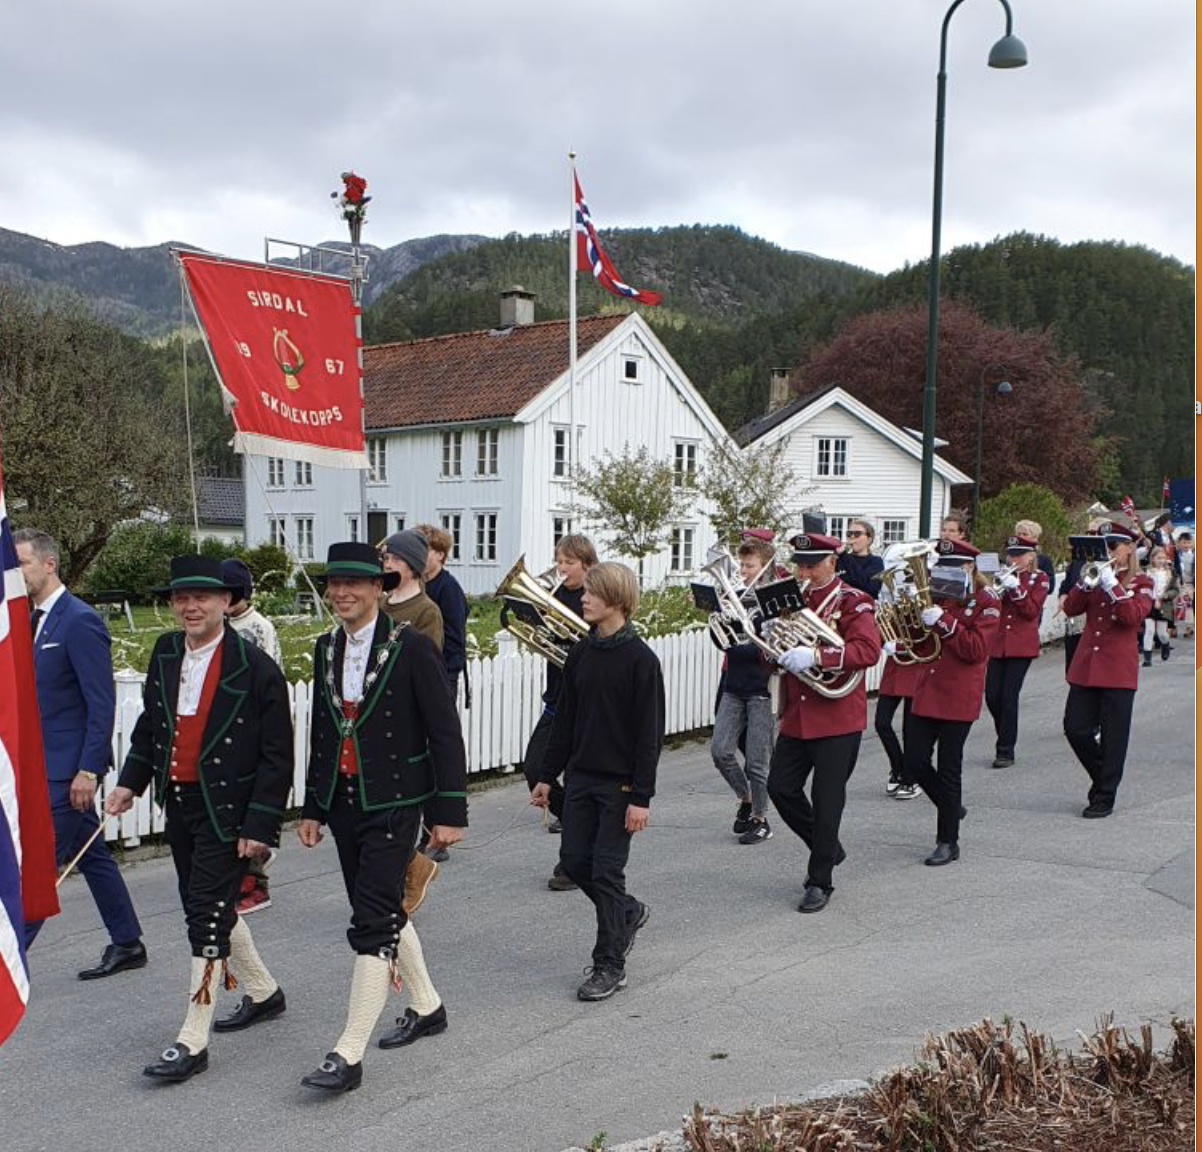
(79,855)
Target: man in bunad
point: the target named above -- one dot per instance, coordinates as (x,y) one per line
(215,739)
(1104,673)
(385,747)
(1015,642)
(819,734)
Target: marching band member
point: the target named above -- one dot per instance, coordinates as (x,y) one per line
(385,746)
(1104,673)
(898,685)
(820,734)
(215,739)
(948,698)
(1015,642)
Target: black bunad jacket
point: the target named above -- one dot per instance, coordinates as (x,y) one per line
(407,736)
(245,767)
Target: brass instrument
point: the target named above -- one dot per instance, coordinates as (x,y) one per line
(907,582)
(1091,574)
(733,621)
(997,579)
(534,617)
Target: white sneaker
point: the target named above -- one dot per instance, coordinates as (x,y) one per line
(892,785)
(906,792)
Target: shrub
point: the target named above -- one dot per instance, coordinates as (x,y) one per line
(137,558)
(997,517)
(269,566)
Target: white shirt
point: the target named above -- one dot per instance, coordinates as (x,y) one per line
(355,661)
(252,625)
(45,606)
(192,675)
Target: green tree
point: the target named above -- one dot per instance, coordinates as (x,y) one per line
(751,488)
(997,517)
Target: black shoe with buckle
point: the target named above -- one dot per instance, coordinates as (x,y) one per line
(601,984)
(334,1074)
(742,819)
(943,854)
(117,958)
(815,899)
(177,1064)
(248,1012)
(411,1027)
(632,930)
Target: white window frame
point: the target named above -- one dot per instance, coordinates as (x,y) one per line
(682,546)
(277,531)
(832,454)
(561,452)
(377,460)
(302,474)
(275,472)
(886,536)
(398,522)
(836,525)
(561,525)
(686,460)
(484,547)
(635,359)
(452,454)
(305,548)
(352,528)
(452,523)
(488,453)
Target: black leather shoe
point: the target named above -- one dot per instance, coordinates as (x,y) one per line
(840,856)
(248,1012)
(334,1074)
(644,914)
(411,1027)
(1097,811)
(814,900)
(177,1064)
(943,854)
(117,958)
(1002,762)
(560,881)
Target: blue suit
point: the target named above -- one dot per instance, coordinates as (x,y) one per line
(74,671)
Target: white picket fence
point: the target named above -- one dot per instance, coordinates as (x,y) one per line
(506,703)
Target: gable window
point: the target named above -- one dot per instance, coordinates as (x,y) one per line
(452,455)
(488,441)
(684,465)
(377,460)
(682,549)
(486,538)
(893,531)
(631,369)
(830,456)
(304,474)
(277,531)
(451,524)
(275,472)
(560,452)
(304,537)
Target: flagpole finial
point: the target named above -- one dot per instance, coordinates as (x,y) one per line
(571,154)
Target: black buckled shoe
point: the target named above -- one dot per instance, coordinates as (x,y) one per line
(1096,811)
(117,958)
(644,914)
(411,1027)
(943,854)
(177,1064)
(334,1074)
(815,899)
(248,1012)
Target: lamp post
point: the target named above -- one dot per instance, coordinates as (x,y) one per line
(1003,389)
(1008,52)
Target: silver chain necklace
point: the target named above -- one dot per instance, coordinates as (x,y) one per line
(347,724)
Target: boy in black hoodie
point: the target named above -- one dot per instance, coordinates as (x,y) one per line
(607,734)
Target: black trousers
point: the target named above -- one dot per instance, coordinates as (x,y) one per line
(1003,683)
(832,760)
(1085,712)
(942,780)
(536,748)
(886,709)
(374,849)
(593,852)
(209,871)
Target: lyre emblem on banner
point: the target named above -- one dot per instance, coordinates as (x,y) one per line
(288,356)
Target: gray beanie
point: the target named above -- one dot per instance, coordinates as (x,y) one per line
(409,546)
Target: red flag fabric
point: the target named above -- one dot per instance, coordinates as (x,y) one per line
(1128,506)
(590,256)
(286,346)
(1164,492)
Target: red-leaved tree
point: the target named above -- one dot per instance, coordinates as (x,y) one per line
(1040,433)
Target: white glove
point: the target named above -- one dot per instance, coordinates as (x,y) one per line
(931,615)
(1009,581)
(889,647)
(798,660)
(1108,579)
(767,629)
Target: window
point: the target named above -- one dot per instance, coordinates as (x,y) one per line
(893,531)
(682,550)
(451,522)
(275,472)
(277,531)
(377,460)
(561,526)
(353,525)
(400,524)
(304,474)
(831,456)
(836,526)
(630,369)
(452,454)
(685,465)
(487,444)
(304,537)
(560,455)
(486,538)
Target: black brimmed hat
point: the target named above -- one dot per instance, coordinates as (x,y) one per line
(357,561)
(195,573)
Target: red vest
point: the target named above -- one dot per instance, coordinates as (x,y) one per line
(348,761)
(189,730)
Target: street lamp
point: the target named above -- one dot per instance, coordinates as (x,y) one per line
(1003,389)
(1008,52)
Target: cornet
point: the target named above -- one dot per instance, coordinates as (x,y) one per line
(1091,574)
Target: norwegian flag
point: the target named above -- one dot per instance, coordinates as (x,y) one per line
(26,832)
(590,255)
(1164,492)
(1128,506)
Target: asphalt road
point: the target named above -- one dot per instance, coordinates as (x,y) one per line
(733,996)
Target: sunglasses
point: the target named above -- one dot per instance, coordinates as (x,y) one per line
(855,532)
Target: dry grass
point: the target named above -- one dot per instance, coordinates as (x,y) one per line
(991,1088)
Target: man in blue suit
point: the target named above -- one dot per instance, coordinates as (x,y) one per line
(74,671)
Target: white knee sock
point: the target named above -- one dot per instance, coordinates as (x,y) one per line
(248,967)
(194,1035)
(411,965)
(369,992)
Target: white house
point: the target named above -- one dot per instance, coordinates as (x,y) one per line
(471,431)
(861,465)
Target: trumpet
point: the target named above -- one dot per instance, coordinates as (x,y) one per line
(997,580)
(907,582)
(1091,574)
(535,618)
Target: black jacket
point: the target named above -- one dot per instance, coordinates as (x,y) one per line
(245,767)
(446,592)
(858,571)
(407,735)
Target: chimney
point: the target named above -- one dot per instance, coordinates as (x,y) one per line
(779,392)
(517,307)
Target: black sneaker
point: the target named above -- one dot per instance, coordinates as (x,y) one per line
(742,819)
(757,833)
(601,984)
(560,881)
(644,914)
(893,784)
(554,827)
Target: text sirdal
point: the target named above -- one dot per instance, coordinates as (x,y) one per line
(276,301)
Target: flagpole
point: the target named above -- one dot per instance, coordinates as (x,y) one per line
(572,443)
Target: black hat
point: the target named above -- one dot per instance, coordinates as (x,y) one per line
(200,573)
(237,576)
(361,561)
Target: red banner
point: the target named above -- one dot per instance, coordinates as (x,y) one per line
(286,347)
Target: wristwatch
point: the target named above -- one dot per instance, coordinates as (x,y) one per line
(90,775)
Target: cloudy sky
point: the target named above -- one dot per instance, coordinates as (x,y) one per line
(809,122)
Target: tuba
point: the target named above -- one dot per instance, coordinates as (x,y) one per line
(906,581)
(536,619)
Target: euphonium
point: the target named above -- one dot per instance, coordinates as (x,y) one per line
(907,582)
(534,617)
(738,611)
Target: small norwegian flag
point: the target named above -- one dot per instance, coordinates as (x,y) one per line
(1164,492)
(1128,506)
(589,255)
